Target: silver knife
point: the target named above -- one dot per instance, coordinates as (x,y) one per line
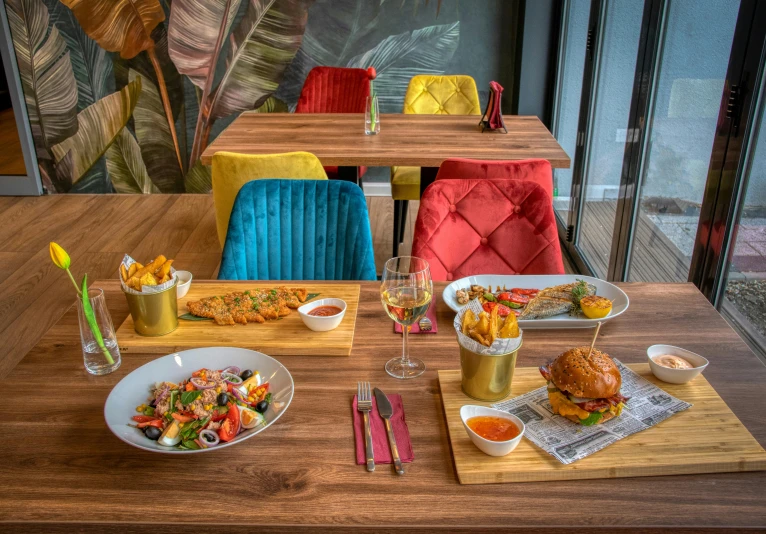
(386,411)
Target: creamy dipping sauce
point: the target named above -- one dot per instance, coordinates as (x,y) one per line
(672,362)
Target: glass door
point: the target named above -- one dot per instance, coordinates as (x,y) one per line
(682,120)
(608,131)
(572,53)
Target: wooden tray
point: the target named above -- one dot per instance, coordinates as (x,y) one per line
(706,438)
(287,336)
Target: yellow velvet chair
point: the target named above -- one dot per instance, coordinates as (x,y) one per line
(428,94)
(232,171)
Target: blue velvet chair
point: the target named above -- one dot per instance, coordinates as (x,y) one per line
(298,230)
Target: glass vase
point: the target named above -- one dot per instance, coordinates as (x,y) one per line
(98,361)
(371,116)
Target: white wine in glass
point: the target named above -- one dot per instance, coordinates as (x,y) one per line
(406,292)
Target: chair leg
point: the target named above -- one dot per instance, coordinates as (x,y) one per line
(349,174)
(397,222)
(403,219)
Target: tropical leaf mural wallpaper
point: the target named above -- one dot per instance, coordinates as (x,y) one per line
(124,95)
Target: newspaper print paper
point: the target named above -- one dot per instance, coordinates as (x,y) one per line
(500,346)
(568,442)
(127,261)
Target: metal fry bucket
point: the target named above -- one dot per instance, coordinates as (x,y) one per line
(154,314)
(487,377)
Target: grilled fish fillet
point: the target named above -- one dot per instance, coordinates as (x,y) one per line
(552,301)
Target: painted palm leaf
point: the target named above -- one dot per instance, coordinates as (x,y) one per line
(99,124)
(49,86)
(196,32)
(199,179)
(262,46)
(91,64)
(126,166)
(123,26)
(400,57)
(154,138)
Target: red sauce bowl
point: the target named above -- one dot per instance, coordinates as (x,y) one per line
(322,323)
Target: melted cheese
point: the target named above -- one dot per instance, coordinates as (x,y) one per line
(562,406)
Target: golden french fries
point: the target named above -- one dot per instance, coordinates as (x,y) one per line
(482,327)
(494,324)
(469,321)
(510,327)
(153,273)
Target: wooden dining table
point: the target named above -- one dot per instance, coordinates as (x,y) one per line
(425,141)
(63,470)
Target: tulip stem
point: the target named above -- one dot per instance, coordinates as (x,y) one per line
(79,293)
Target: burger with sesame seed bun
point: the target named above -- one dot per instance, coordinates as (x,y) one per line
(584,386)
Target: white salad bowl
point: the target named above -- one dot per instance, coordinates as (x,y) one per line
(492,448)
(134,390)
(675,376)
(322,324)
(184,283)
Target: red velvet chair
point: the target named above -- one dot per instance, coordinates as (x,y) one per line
(335,90)
(487,226)
(536,170)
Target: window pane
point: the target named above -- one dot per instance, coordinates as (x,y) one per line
(613,93)
(746,286)
(568,110)
(690,79)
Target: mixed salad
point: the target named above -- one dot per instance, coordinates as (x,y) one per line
(210,407)
(506,300)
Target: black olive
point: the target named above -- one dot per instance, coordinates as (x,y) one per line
(153,404)
(152,432)
(261,406)
(223,399)
(247,373)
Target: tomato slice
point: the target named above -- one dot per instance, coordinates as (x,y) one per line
(502,309)
(183,418)
(519,298)
(144,418)
(230,427)
(156,423)
(520,291)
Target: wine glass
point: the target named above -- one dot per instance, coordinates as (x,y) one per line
(406,291)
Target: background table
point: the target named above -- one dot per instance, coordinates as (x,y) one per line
(412,140)
(63,470)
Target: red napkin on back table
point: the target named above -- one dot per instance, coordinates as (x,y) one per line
(380,447)
(431,314)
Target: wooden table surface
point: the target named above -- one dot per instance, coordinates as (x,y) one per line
(63,470)
(416,140)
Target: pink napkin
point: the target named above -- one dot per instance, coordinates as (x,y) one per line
(380,447)
(431,314)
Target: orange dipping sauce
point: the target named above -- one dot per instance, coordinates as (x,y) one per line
(325,311)
(493,428)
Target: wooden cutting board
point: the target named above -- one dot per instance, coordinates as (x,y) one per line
(706,438)
(285,337)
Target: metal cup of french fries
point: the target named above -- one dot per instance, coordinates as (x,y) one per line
(489,345)
(150,290)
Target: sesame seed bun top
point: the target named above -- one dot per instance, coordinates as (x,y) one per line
(595,377)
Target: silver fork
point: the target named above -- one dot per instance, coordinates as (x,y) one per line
(364,405)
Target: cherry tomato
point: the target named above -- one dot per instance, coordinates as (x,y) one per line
(230,426)
(502,309)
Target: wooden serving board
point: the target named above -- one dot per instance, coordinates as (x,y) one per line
(285,337)
(706,438)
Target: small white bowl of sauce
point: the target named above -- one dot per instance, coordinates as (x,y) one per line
(674,364)
(323,315)
(494,432)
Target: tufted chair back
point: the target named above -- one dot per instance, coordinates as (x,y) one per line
(429,94)
(334,90)
(536,170)
(478,226)
(299,230)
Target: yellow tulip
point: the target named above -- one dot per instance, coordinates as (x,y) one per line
(61,260)
(59,256)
